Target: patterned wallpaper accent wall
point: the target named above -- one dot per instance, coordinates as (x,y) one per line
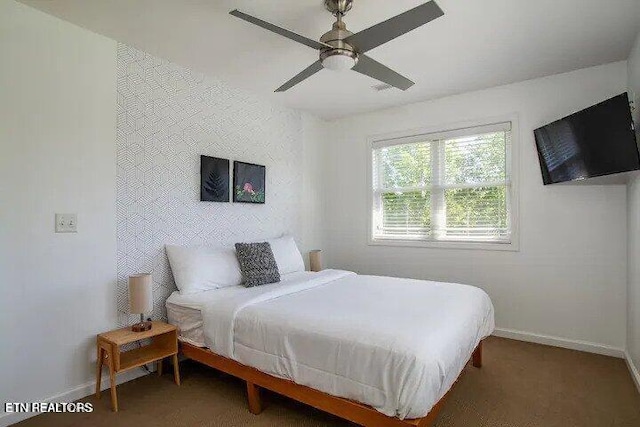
(167,117)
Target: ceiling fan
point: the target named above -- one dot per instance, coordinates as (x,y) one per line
(341,50)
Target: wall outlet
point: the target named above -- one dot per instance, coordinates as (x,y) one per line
(66,223)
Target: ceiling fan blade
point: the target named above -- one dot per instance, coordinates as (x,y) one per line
(288,34)
(372,68)
(306,73)
(388,30)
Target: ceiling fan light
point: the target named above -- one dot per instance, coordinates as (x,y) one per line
(339,62)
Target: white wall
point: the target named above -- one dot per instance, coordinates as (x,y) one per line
(167,117)
(57,132)
(315,135)
(568,279)
(633,215)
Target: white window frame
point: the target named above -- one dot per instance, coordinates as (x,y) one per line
(436,132)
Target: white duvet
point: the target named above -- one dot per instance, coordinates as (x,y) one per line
(397,345)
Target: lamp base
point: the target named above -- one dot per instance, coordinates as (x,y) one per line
(141,327)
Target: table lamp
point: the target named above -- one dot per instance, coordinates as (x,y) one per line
(140,299)
(315,260)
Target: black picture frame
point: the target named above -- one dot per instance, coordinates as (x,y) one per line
(249,183)
(214,179)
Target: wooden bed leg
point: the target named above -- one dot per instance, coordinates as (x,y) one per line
(253,396)
(477,356)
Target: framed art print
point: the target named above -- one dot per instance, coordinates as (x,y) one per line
(214,179)
(248,183)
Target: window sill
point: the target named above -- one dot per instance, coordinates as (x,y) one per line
(446,244)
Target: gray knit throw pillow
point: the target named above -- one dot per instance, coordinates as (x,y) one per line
(257,264)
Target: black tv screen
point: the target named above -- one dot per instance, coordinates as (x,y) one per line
(597,141)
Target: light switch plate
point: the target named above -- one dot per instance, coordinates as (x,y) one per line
(66,223)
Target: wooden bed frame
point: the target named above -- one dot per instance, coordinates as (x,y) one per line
(347,409)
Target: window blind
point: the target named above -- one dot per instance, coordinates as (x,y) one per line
(450,185)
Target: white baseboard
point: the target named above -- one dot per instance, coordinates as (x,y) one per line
(589,347)
(635,374)
(76,393)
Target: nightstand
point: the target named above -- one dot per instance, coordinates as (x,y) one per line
(164,343)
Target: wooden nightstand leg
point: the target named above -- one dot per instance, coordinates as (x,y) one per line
(159,367)
(112,377)
(99,371)
(176,369)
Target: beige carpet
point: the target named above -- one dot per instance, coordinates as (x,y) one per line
(520,385)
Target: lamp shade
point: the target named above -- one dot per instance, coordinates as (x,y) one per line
(140,294)
(315,260)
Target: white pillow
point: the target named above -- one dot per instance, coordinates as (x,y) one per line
(287,255)
(201,268)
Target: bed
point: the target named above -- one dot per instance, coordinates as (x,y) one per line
(377,351)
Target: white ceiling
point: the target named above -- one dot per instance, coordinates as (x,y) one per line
(477,44)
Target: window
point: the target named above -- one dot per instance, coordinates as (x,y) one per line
(451,186)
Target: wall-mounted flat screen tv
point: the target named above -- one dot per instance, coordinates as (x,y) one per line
(597,141)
